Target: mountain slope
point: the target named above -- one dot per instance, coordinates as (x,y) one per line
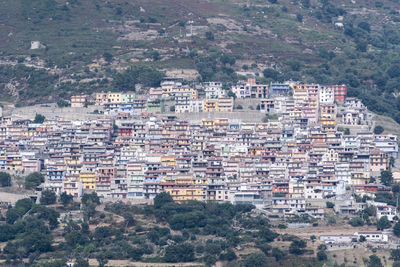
(87,42)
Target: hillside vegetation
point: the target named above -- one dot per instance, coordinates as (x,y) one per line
(88,42)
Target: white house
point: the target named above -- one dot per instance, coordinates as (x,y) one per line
(326,95)
(213,90)
(373,236)
(336,239)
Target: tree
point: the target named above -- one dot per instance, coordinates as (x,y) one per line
(61,103)
(183,252)
(162,199)
(395,254)
(357,221)
(129,220)
(383,223)
(89,204)
(101,259)
(39,119)
(321,255)
(5,179)
(48,197)
(362,238)
(277,254)
(66,199)
(107,57)
(299,17)
(33,180)
(271,73)
(313,237)
(81,262)
(256,259)
(92,197)
(330,205)
(374,261)
(210,36)
(137,74)
(396,230)
(297,246)
(172,108)
(386,178)
(231,94)
(378,129)
(394,71)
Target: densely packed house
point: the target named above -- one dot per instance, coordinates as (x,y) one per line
(286,164)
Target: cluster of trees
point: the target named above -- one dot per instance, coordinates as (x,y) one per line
(137,74)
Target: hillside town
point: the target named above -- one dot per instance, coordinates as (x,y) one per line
(314,145)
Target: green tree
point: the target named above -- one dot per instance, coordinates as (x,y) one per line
(356,221)
(101,259)
(395,254)
(107,57)
(330,205)
(162,199)
(39,118)
(374,261)
(386,178)
(66,199)
(297,246)
(183,252)
(48,197)
(321,255)
(383,223)
(129,220)
(271,73)
(81,262)
(33,180)
(378,129)
(256,259)
(277,254)
(210,36)
(138,74)
(396,230)
(5,179)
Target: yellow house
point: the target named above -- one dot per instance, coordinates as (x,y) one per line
(114,98)
(225,104)
(88,180)
(207,123)
(168,161)
(210,105)
(185,192)
(14,163)
(360,177)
